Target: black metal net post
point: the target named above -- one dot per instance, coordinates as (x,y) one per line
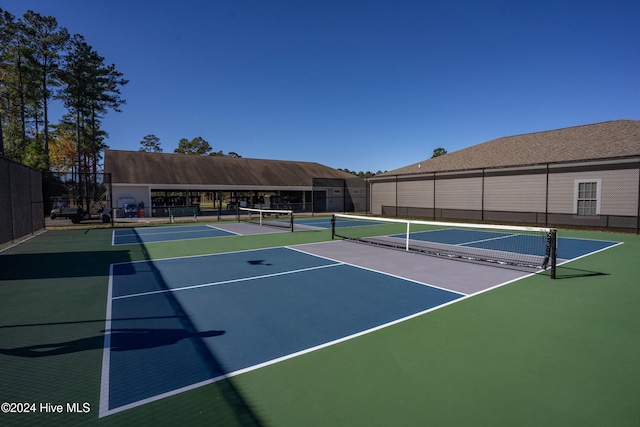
(554,252)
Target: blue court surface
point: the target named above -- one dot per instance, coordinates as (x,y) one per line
(163,234)
(172,233)
(325,222)
(179,323)
(176,324)
(568,248)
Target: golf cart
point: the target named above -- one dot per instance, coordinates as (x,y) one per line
(82,208)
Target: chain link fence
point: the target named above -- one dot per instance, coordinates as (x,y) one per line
(544,195)
(341,195)
(21,202)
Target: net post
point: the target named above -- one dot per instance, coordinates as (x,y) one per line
(554,251)
(333,227)
(291,218)
(527,247)
(408,232)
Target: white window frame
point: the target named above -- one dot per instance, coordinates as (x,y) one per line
(576,193)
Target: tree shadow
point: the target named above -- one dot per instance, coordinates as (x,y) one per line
(241,408)
(121,340)
(80,322)
(85,257)
(49,265)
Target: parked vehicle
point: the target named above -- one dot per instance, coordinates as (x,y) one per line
(82,208)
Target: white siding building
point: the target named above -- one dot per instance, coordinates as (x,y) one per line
(580,176)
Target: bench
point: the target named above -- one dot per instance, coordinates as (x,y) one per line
(183,212)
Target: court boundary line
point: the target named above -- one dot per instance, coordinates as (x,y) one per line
(222,229)
(470,244)
(105,383)
(357,222)
(106,352)
(376,271)
(175,232)
(298,353)
(594,252)
(22,240)
(492,239)
(104,389)
(196,256)
(223,282)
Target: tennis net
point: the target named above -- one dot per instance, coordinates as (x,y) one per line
(528,247)
(271,217)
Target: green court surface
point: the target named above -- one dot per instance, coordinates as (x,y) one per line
(534,352)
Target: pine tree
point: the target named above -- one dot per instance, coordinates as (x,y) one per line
(150,144)
(47,41)
(13,54)
(90,90)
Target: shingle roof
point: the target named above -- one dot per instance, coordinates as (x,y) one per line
(608,140)
(182,169)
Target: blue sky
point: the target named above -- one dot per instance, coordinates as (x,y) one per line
(364,85)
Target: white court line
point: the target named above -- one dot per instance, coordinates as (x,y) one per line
(104,411)
(171,232)
(104,390)
(376,271)
(142,261)
(153,229)
(222,282)
(488,240)
(506,236)
(222,229)
(159,231)
(594,252)
(104,396)
(22,241)
(106,352)
(141,236)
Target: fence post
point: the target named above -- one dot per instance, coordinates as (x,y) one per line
(482,201)
(638,212)
(434,196)
(13,221)
(546,202)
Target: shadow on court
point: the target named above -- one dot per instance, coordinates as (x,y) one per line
(121,340)
(36,266)
(178,344)
(73,322)
(571,273)
(60,259)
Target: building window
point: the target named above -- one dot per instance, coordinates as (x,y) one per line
(587,197)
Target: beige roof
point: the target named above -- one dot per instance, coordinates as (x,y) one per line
(182,169)
(608,140)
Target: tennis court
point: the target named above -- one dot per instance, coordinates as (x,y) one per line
(325,223)
(287,220)
(215,316)
(568,248)
(165,234)
(263,306)
(146,235)
(299,329)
